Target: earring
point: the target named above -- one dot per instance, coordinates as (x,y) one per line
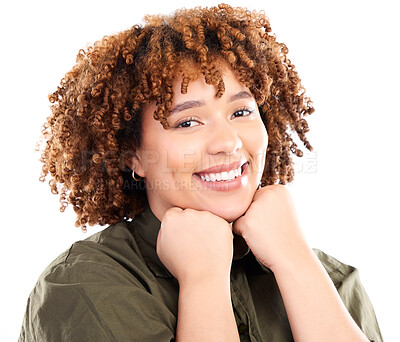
(133,175)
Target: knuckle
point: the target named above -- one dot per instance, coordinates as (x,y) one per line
(172,211)
(278,187)
(167,214)
(207,214)
(189,211)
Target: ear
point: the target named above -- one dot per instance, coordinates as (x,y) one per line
(135,163)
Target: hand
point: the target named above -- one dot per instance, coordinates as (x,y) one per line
(270,227)
(195,245)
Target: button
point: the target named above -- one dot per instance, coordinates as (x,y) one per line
(243,329)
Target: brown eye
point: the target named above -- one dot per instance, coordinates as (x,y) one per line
(242,112)
(187,123)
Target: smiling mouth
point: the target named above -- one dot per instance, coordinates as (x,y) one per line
(222,177)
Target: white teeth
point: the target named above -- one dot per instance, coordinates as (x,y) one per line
(223,176)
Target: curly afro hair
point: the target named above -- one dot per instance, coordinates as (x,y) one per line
(95,120)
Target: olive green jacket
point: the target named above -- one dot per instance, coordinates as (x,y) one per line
(113,287)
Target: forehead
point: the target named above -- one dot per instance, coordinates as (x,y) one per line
(189,85)
(189,76)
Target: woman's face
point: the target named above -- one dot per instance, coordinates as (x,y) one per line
(212,157)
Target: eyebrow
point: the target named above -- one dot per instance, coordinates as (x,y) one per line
(185,105)
(240,95)
(195,103)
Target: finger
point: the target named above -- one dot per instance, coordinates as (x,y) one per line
(175,209)
(171,211)
(237,226)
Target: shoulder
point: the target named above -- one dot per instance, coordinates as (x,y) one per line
(345,277)
(110,252)
(93,291)
(348,284)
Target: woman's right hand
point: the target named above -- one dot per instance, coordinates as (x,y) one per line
(195,245)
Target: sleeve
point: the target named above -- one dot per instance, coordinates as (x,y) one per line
(106,305)
(347,282)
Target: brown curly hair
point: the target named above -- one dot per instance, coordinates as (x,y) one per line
(96,111)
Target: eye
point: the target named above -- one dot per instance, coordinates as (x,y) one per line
(187,123)
(242,112)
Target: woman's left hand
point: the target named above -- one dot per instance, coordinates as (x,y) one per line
(271,229)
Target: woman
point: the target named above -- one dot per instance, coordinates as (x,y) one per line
(182,126)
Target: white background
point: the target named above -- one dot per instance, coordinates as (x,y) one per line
(346,192)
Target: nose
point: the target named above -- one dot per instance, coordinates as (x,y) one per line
(224,139)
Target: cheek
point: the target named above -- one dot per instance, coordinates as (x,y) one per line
(171,159)
(258,140)
(184,153)
(258,150)
(264,138)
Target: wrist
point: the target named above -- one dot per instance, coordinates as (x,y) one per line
(205,311)
(297,260)
(212,283)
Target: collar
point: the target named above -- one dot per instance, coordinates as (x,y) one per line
(146,226)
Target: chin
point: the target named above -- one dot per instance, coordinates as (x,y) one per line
(230,214)
(229,210)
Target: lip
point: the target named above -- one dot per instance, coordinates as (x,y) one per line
(234,184)
(222,167)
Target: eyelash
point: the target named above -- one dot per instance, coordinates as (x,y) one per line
(250,111)
(185,120)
